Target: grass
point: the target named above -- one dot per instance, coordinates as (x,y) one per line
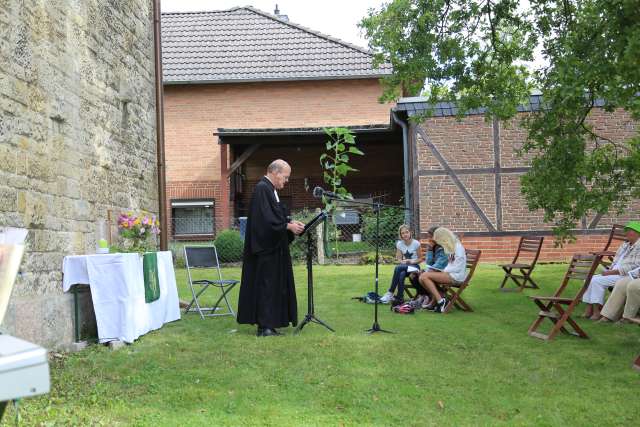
(477,368)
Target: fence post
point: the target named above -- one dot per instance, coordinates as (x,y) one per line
(320,241)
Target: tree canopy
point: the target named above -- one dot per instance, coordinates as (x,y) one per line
(494,53)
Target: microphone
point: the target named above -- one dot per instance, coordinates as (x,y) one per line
(318,192)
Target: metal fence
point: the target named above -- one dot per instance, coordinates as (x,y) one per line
(347,236)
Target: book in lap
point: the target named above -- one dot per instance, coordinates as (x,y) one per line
(11,250)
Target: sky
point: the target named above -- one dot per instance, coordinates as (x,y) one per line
(336,18)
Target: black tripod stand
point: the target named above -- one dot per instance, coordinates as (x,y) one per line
(311,316)
(376,206)
(376,326)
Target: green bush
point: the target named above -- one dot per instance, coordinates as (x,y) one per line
(390,220)
(229,246)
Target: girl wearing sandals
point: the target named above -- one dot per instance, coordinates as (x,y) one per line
(409,256)
(455,271)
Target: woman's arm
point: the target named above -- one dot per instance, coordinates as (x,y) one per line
(441,259)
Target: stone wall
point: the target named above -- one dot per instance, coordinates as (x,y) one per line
(77,138)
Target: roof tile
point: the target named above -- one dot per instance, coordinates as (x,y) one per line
(246,44)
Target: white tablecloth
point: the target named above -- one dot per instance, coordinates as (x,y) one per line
(117,290)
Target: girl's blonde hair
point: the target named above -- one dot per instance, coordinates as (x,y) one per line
(445,238)
(403,227)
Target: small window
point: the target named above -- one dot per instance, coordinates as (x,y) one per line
(193,217)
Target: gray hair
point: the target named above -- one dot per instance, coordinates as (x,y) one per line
(277,166)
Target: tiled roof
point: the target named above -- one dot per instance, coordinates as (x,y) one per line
(246,44)
(300,131)
(418,105)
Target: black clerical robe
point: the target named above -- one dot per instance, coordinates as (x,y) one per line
(267,290)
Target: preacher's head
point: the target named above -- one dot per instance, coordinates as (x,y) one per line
(278,173)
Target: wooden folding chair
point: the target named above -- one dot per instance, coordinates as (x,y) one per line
(453,291)
(529,249)
(580,270)
(616,236)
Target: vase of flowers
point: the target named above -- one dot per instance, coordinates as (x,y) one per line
(137,229)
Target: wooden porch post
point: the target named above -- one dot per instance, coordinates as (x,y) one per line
(225,213)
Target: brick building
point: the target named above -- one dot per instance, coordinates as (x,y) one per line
(466,176)
(243,87)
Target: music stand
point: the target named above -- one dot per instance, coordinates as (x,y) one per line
(311,316)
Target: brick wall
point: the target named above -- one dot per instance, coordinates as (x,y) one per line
(469,144)
(503,248)
(193,112)
(196,190)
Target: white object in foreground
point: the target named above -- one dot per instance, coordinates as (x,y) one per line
(24,370)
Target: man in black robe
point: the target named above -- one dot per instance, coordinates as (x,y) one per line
(267,290)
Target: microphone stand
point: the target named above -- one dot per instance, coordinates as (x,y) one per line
(376,207)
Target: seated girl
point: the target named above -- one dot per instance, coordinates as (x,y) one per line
(454,273)
(435,260)
(409,256)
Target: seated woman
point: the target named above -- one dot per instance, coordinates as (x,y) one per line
(435,260)
(626,259)
(624,302)
(409,256)
(455,271)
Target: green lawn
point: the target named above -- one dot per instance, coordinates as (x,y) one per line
(477,368)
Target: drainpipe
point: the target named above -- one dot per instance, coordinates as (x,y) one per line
(162,199)
(405,155)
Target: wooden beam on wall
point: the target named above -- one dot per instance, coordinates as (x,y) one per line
(449,171)
(243,158)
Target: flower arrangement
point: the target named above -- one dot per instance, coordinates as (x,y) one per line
(137,229)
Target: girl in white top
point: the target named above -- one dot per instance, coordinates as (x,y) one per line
(454,272)
(408,254)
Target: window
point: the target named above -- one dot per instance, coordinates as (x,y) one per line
(193,217)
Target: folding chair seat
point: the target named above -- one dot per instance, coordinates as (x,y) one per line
(205,258)
(617,235)
(524,261)
(558,307)
(453,291)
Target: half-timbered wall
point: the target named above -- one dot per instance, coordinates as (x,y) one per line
(467,177)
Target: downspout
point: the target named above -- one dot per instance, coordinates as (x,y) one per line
(162,200)
(405,155)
